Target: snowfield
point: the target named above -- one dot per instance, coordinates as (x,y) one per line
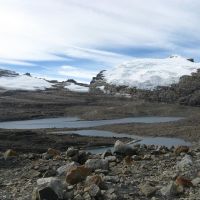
(23,82)
(77,88)
(149,73)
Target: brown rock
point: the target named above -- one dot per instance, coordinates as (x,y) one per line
(53,152)
(96,179)
(181,149)
(77,174)
(183,181)
(128,160)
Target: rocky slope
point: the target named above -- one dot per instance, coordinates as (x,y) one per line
(139,172)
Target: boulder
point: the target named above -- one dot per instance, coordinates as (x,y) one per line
(66,168)
(78,174)
(48,188)
(97,164)
(123,149)
(71,152)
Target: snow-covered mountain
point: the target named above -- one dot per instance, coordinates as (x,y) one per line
(10,80)
(149,73)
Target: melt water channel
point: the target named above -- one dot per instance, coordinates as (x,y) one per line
(74,122)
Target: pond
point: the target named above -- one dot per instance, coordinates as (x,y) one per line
(74,122)
(160,141)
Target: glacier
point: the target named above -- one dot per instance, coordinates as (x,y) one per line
(148,73)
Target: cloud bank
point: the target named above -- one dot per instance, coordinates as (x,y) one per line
(104,33)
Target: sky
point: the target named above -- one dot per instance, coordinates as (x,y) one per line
(62,39)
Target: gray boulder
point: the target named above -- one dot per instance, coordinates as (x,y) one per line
(97,164)
(48,188)
(185,163)
(123,149)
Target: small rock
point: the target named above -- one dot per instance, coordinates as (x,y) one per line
(111,158)
(181,149)
(53,152)
(10,153)
(46,156)
(86,196)
(185,163)
(81,157)
(93,190)
(95,179)
(112,179)
(147,157)
(108,152)
(183,181)
(97,164)
(172,189)
(136,158)
(196,181)
(71,152)
(78,197)
(128,160)
(148,190)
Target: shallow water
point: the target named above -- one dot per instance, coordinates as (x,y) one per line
(98,133)
(74,122)
(160,141)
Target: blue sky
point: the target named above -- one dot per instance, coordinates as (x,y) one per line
(61,39)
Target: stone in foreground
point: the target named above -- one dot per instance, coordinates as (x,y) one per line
(97,164)
(48,188)
(78,174)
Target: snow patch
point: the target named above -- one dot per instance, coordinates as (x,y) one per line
(149,73)
(23,82)
(77,88)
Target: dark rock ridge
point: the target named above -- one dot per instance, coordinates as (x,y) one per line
(8,73)
(186,92)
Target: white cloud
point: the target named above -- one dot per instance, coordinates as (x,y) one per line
(79,73)
(40,30)
(16,62)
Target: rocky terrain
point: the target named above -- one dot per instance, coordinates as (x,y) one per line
(39,164)
(137,172)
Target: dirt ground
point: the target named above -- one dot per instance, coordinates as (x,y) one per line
(30,105)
